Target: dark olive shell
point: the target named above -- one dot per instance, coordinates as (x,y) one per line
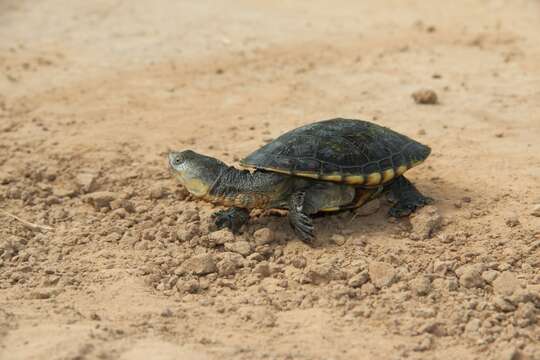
(340,150)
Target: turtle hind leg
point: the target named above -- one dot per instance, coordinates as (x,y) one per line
(313,199)
(405,196)
(299,218)
(232,218)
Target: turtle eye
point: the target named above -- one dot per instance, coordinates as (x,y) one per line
(177,160)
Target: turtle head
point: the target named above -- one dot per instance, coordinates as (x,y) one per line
(195,171)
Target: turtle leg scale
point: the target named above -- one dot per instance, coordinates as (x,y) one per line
(232,218)
(299,218)
(406,197)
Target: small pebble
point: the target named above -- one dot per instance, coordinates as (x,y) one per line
(425,97)
(86,181)
(421,285)
(190,286)
(470,276)
(200,265)
(50,173)
(167,312)
(241,247)
(424,344)
(503,304)
(506,283)
(490,275)
(101,199)
(425,222)
(299,262)
(359,279)
(262,268)
(442,267)
(41,294)
(157,192)
(221,236)
(338,239)
(61,192)
(229,264)
(512,221)
(227,267)
(263,236)
(381,274)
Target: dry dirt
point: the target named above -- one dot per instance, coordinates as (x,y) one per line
(94,93)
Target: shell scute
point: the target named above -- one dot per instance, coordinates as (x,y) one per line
(341,150)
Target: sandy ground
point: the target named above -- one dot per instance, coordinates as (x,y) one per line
(94,93)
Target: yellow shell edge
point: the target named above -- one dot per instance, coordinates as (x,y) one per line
(307,174)
(388,175)
(374,178)
(401,169)
(355,179)
(333,177)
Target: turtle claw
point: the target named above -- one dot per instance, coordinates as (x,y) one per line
(304,229)
(222,219)
(232,218)
(405,197)
(408,203)
(299,220)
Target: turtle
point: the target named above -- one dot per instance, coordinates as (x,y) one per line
(326,166)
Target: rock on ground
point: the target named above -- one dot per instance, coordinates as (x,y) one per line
(490,275)
(229,264)
(506,283)
(101,199)
(263,236)
(87,181)
(200,265)
(470,276)
(421,285)
(359,279)
(241,247)
(143,275)
(322,273)
(221,236)
(381,274)
(425,97)
(425,222)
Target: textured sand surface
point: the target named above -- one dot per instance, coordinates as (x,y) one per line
(94,93)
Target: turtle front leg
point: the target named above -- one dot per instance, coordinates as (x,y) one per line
(299,217)
(405,196)
(232,218)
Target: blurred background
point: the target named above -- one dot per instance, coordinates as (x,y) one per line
(94,93)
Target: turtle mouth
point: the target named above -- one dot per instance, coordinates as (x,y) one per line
(172,157)
(173,171)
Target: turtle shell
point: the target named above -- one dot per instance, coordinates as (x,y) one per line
(340,150)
